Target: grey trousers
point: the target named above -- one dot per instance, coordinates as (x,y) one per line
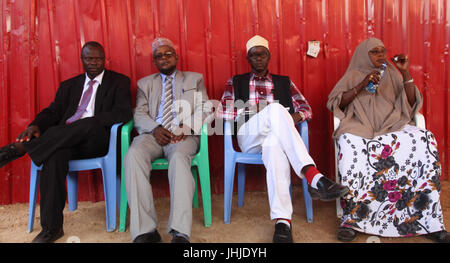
(142,152)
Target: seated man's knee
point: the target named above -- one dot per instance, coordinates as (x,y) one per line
(132,155)
(180,157)
(276,107)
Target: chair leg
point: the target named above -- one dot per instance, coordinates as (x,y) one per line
(241,184)
(34,182)
(228,191)
(195,199)
(110,189)
(205,185)
(72,190)
(308,201)
(123,205)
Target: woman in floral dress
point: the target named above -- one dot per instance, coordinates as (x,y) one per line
(391,167)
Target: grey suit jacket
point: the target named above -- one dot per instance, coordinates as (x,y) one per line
(190,97)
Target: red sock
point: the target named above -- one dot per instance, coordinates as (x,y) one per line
(310,173)
(288,220)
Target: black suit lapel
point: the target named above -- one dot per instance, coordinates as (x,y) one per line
(75,96)
(101,91)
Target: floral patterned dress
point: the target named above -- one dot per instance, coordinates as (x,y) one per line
(394,183)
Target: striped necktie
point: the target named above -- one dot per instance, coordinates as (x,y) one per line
(168,102)
(83,104)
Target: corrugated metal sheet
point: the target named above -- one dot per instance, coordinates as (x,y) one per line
(40,43)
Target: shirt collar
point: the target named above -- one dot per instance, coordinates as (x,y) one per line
(164,76)
(98,79)
(266,77)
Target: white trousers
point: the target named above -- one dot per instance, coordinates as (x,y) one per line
(272,132)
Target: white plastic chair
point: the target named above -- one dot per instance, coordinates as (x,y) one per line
(420,123)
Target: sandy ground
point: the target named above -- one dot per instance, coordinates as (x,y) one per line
(249,224)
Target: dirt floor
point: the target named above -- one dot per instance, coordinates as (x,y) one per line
(249,224)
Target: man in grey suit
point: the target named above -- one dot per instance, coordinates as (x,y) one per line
(168,117)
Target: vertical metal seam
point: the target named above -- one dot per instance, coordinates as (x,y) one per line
(105,30)
(208,53)
(79,29)
(232,33)
(131,43)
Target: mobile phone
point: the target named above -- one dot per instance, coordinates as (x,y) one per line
(398,59)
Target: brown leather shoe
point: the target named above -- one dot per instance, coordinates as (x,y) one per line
(327,190)
(47,236)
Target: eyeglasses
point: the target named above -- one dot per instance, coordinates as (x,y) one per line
(377,51)
(255,56)
(159,56)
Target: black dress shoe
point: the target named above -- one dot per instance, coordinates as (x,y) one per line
(282,234)
(150,237)
(47,236)
(8,154)
(327,190)
(440,237)
(179,239)
(346,234)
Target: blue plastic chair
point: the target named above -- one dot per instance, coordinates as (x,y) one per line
(233,157)
(111,182)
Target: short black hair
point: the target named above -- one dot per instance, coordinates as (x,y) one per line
(93,44)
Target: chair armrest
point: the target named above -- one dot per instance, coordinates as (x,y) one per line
(227,137)
(303,128)
(125,136)
(336,122)
(204,138)
(419,119)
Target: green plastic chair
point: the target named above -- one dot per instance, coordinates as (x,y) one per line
(201,161)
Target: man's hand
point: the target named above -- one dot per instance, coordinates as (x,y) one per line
(162,136)
(180,134)
(297,117)
(29,133)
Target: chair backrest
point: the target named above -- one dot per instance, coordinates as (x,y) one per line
(419,119)
(228,140)
(112,150)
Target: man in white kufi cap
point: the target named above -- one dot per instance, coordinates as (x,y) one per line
(164,134)
(273,105)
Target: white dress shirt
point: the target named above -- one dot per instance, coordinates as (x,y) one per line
(91,106)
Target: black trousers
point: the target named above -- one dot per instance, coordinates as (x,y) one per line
(85,138)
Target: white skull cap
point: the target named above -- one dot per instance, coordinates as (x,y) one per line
(161,41)
(257,41)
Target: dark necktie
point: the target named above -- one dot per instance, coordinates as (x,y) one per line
(84,103)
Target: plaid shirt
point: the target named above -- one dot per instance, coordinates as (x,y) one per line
(260,90)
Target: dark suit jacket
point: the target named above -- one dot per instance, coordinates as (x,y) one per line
(112,102)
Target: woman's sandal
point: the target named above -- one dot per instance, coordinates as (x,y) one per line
(346,234)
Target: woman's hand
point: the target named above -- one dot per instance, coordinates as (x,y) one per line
(401,61)
(373,77)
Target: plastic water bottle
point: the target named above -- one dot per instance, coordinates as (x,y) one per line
(372,88)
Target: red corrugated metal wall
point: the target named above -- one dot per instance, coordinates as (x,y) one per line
(40,43)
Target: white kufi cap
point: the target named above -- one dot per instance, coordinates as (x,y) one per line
(257,41)
(161,41)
